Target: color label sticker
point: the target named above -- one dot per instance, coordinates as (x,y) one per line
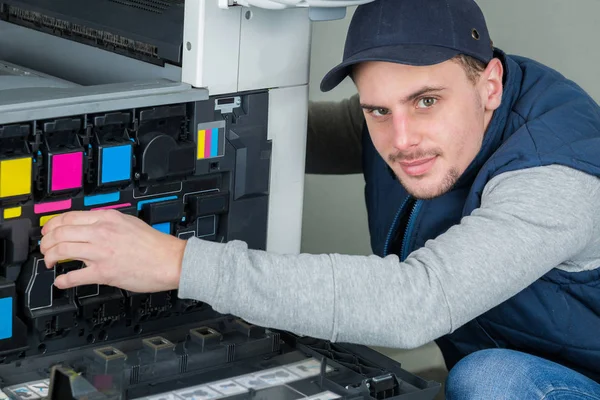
(53,206)
(46,218)
(14,212)
(66,171)
(210,143)
(103,198)
(210,139)
(6,317)
(115,164)
(155,200)
(15,177)
(113,207)
(164,227)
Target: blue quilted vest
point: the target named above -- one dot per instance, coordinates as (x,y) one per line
(544,119)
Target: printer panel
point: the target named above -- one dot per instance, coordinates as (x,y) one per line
(195,169)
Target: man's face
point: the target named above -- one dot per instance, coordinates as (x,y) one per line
(428,122)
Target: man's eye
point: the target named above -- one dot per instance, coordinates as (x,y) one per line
(380,112)
(426,102)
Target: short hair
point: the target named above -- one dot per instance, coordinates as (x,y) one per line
(472,66)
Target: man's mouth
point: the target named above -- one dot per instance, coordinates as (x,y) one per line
(417,167)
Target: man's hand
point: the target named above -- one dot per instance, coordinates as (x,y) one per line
(118,250)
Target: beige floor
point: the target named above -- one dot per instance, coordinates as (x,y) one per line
(426,362)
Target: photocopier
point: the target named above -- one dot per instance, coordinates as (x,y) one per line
(191,115)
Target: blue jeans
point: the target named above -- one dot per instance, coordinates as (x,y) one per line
(498,374)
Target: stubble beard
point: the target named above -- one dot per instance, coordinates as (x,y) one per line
(411,185)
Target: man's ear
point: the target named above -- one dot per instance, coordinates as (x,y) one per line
(492,87)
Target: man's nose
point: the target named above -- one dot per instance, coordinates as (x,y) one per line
(405,134)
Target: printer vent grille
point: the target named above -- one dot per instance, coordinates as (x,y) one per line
(155,6)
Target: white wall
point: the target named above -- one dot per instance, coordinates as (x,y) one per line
(561,33)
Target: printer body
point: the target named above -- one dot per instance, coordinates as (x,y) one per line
(192,116)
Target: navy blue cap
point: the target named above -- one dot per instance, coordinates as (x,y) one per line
(412,32)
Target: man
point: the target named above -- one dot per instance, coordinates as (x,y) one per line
(481,174)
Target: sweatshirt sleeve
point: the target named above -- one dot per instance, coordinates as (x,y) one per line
(529,222)
(334,137)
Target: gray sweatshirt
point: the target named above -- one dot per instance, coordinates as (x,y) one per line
(529,222)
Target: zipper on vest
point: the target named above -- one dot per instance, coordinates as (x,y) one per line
(394,226)
(409,229)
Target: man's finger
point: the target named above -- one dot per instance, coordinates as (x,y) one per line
(84,276)
(71,218)
(71,251)
(66,234)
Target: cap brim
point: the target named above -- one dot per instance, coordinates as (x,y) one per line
(417,55)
